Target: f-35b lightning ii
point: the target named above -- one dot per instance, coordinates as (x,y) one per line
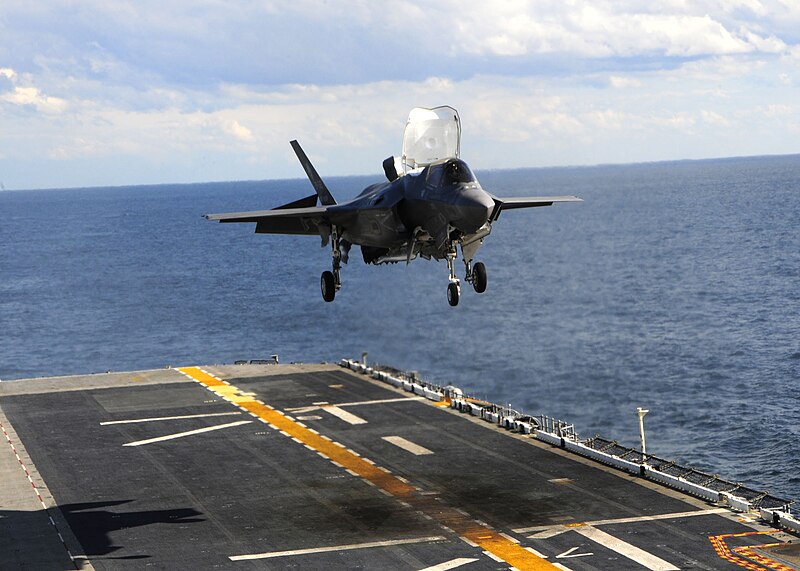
(431,205)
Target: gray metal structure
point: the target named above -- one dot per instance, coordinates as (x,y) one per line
(431,209)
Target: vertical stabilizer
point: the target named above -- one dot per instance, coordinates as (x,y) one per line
(325,196)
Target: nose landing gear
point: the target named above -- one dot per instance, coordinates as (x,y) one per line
(453,292)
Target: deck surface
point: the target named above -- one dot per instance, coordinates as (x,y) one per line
(317,467)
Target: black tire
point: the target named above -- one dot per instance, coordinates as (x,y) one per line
(452,294)
(479,277)
(328,286)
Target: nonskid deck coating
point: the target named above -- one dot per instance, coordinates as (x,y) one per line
(323,490)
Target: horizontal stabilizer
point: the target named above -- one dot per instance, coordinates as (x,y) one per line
(325,196)
(280,221)
(307,202)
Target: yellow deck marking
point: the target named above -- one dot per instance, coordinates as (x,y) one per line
(485,537)
(738,554)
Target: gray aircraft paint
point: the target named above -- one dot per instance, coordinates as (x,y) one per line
(429,213)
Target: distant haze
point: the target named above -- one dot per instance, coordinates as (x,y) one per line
(134,92)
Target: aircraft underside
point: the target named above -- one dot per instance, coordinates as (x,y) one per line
(421,244)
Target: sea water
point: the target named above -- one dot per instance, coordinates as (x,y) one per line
(674,287)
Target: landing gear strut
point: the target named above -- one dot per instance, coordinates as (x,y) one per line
(330,282)
(454,287)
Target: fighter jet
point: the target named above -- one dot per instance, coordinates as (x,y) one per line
(431,206)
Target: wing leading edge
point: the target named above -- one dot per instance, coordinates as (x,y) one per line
(511,203)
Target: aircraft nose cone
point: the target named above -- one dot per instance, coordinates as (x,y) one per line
(475,207)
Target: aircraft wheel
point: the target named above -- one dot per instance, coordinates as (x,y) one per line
(452,293)
(479,277)
(328,286)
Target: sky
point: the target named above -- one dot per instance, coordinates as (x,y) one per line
(98,93)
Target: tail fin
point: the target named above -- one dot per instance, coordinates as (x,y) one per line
(325,196)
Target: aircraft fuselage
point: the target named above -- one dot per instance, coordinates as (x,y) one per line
(443,199)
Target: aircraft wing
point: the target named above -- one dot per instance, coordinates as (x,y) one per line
(281,220)
(510,203)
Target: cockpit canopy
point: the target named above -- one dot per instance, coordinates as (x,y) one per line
(449,173)
(431,135)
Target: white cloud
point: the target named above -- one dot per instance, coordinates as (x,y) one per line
(239,131)
(714,118)
(27,95)
(605,29)
(777,111)
(610,119)
(621,82)
(32,96)
(162,88)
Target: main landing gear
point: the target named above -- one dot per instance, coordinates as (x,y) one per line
(330,282)
(328,286)
(475,275)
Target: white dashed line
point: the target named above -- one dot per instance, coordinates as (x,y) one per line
(407,445)
(344,415)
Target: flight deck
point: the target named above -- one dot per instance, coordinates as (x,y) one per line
(267,466)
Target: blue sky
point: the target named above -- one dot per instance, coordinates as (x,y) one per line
(135,92)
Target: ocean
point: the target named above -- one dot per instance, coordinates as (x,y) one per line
(674,287)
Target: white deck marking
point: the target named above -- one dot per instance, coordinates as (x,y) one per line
(452,564)
(343,414)
(187,433)
(632,552)
(634,519)
(325,404)
(659,516)
(407,445)
(135,420)
(549,532)
(312,550)
(302,409)
(381,401)
(571,553)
